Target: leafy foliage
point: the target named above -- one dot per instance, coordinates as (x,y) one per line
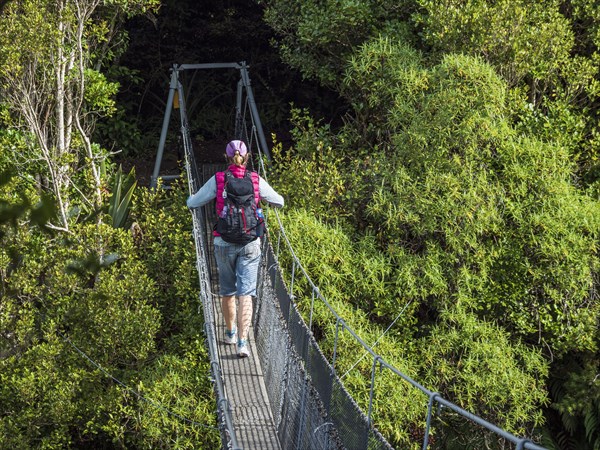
(384,81)
(451,196)
(520,38)
(314,165)
(478,204)
(353,272)
(547,51)
(574,389)
(100,327)
(132,315)
(476,364)
(316,37)
(481,229)
(51,53)
(467,360)
(120,200)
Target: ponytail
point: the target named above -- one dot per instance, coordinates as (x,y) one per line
(238,159)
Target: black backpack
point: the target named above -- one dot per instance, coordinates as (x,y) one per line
(239,222)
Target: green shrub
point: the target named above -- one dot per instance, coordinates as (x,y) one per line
(469,208)
(477,365)
(80,309)
(461,357)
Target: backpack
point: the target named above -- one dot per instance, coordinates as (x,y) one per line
(240,221)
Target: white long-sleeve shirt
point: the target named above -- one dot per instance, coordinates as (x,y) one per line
(208,192)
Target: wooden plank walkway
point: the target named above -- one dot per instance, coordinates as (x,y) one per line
(242,377)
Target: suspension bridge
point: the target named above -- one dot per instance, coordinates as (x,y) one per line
(287,394)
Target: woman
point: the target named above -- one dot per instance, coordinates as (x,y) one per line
(237,263)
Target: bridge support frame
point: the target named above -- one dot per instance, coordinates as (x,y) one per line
(244,85)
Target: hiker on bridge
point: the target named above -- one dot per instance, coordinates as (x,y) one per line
(240,224)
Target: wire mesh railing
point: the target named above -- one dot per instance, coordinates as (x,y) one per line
(312,407)
(324,373)
(226,424)
(358,430)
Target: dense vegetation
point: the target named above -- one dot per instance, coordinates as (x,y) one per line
(464,184)
(448,158)
(101,336)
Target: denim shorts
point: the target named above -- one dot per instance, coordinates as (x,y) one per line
(238,267)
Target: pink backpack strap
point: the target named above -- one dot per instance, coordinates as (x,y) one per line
(256,184)
(220,179)
(220,201)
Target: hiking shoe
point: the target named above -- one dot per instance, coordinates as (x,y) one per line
(230,336)
(242,348)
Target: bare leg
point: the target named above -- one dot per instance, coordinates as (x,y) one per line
(228,307)
(244,318)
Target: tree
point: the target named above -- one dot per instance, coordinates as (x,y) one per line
(317,37)
(95,323)
(547,51)
(481,224)
(95,349)
(52,53)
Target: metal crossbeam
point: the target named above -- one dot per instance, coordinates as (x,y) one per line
(244,92)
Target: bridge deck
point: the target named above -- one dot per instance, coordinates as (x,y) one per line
(242,377)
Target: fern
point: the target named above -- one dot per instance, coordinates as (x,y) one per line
(591,424)
(579,419)
(566,441)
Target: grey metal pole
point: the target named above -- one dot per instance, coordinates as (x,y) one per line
(185,132)
(165,127)
(238,110)
(182,108)
(254,110)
